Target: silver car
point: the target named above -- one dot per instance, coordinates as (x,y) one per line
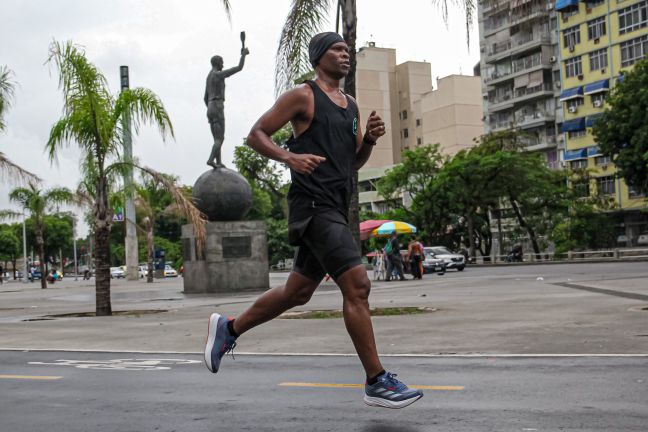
(451,260)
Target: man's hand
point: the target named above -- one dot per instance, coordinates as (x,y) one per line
(245,51)
(375,128)
(304,163)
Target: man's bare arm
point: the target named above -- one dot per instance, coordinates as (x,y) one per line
(291,106)
(365,143)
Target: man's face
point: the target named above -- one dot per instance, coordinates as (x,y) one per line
(336,60)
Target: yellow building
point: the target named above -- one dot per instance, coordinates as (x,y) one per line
(599,41)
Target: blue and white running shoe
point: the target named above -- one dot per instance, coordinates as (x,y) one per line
(388,392)
(219,341)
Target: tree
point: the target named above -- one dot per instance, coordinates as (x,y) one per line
(10,247)
(91,118)
(39,203)
(622,131)
(304,20)
(7,90)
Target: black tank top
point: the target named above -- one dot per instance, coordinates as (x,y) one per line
(331,134)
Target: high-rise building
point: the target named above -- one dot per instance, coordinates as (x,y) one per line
(520,72)
(599,40)
(415,114)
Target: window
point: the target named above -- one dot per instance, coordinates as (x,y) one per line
(573,104)
(633,17)
(596,28)
(573,67)
(598,59)
(598,99)
(605,185)
(571,36)
(568,12)
(404,115)
(405,133)
(578,164)
(589,4)
(634,193)
(419,141)
(633,50)
(418,122)
(577,134)
(602,160)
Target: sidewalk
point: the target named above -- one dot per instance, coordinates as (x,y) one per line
(512,310)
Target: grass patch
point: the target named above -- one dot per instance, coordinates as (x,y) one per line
(388,311)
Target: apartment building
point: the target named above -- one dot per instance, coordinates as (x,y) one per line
(599,41)
(415,113)
(521,72)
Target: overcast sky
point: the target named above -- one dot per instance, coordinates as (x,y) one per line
(167,44)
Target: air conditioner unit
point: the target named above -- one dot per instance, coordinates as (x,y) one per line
(580,77)
(553,59)
(557,84)
(550,6)
(597,40)
(571,48)
(565,18)
(572,109)
(603,70)
(604,167)
(598,103)
(588,11)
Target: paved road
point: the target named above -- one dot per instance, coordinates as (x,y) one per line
(70,392)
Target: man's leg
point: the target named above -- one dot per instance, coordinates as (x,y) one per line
(355,287)
(297,291)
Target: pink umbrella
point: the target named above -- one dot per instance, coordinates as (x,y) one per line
(368,226)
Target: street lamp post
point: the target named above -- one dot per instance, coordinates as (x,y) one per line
(24,248)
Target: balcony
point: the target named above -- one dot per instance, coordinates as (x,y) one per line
(529,41)
(528,93)
(526,64)
(500,103)
(543,142)
(535,119)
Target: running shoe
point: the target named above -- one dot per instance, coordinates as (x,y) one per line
(219,341)
(388,392)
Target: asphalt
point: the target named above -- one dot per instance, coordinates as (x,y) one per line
(596,308)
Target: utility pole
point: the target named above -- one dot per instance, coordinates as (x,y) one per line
(131,233)
(25,249)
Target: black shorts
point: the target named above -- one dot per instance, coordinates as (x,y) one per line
(326,246)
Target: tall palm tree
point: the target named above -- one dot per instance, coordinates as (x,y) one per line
(91,118)
(304,20)
(7,91)
(39,203)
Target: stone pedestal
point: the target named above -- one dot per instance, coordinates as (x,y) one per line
(236,258)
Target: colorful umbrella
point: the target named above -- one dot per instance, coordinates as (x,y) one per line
(369,225)
(397,227)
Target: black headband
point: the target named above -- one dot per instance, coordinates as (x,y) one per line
(319,44)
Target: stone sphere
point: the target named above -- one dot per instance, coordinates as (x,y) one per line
(222,195)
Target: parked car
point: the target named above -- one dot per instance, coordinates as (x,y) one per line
(142,270)
(431,264)
(35,274)
(170,271)
(116,273)
(642,240)
(451,260)
(622,239)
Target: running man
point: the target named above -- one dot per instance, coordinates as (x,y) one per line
(326,149)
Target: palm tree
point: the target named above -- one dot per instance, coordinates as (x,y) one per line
(39,203)
(305,19)
(91,118)
(7,91)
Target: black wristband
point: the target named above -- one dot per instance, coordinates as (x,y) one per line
(371,143)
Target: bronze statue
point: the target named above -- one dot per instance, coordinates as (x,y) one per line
(215,98)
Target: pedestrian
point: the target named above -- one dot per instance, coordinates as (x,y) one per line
(325,151)
(1,274)
(415,254)
(394,259)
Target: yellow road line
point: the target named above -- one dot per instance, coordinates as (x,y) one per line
(31,377)
(326,385)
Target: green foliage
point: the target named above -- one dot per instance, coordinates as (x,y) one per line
(10,243)
(7,89)
(278,247)
(622,131)
(586,227)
